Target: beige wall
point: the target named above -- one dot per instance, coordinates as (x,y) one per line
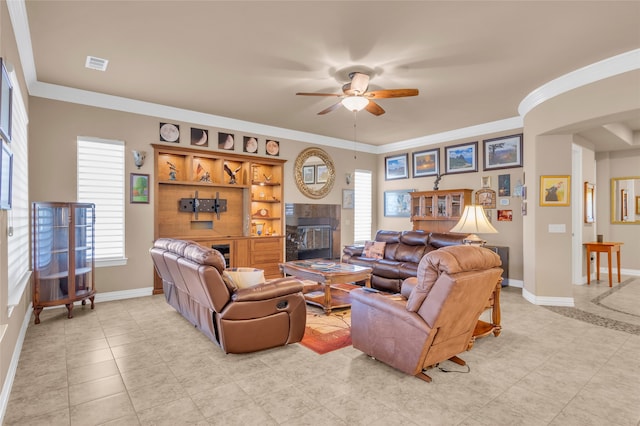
(509,233)
(54,129)
(547,270)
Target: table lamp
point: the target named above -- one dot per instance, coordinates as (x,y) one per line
(474,221)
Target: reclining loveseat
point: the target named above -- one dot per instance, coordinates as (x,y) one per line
(239,320)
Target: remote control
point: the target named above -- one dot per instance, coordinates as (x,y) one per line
(371,290)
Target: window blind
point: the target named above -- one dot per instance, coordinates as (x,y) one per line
(362,206)
(101,181)
(18,255)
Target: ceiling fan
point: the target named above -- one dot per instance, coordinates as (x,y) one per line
(355,96)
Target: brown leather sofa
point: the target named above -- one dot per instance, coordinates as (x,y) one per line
(402,253)
(431,321)
(239,320)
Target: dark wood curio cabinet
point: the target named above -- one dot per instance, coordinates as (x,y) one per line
(63,255)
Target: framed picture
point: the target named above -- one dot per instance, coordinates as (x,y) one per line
(6,97)
(139,188)
(309,174)
(461,158)
(555,190)
(397,203)
(199,137)
(505,215)
(589,202)
(426,163)
(504,185)
(226,141)
(250,145)
(322,173)
(486,198)
(503,153)
(6,176)
(272,147)
(638,205)
(396,167)
(169,132)
(347,198)
(486,181)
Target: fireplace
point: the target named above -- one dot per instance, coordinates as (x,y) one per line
(312,231)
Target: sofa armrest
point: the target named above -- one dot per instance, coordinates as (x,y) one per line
(353,250)
(269,290)
(408,285)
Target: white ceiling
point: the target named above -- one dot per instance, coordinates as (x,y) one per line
(473,62)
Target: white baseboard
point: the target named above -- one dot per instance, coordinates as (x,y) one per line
(515,283)
(547,301)
(623,271)
(11,373)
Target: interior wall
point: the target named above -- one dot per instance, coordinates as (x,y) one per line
(54,129)
(546,153)
(509,233)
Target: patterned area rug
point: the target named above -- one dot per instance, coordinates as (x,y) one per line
(616,299)
(326,333)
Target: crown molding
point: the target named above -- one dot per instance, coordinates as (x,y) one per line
(606,68)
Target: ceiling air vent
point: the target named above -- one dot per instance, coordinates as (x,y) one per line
(96,63)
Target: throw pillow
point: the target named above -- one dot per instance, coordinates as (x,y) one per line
(374,249)
(245,277)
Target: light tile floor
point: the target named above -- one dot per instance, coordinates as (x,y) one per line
(137,361)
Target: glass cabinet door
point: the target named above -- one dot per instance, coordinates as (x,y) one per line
(84,249)
(51,252)
(456,205)
(441,205)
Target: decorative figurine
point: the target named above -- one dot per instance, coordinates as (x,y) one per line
(206,177)
(231,173)
(173,171)
(267,178)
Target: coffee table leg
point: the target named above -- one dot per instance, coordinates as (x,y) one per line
(327,298)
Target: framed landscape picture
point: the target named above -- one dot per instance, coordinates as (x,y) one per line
(555,190)
(139,188)
(308,174)
(461,158)
(397,203)
(396,167)
(503,153)
(426,163)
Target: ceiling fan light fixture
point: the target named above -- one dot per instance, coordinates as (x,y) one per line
(355,103)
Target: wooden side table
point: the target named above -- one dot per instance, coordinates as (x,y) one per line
(597,248)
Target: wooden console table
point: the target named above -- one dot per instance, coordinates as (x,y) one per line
(484,328)
(597,248)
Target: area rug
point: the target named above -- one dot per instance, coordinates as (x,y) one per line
(326,333)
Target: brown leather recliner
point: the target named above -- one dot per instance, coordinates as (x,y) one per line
(239,320)
(432,321)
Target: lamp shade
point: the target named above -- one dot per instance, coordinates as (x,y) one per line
(474,221)
(355,103)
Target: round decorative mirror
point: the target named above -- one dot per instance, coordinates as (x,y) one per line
(314,173)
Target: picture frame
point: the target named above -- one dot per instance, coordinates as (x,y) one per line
(426,163)
(348,198)
(555,190)
(638,205)
(396,167)
(504,185)
(505,215)
(503,152)
(309,174)
(589,202)
(397,203)
(486,181)
(322,173)
(486,198)
(226,141)
(139,188)
(169,132)
(199,137)
(6,103)
(6,177)
(462,158)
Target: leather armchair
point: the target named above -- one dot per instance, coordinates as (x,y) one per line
(239,320)
(431,321)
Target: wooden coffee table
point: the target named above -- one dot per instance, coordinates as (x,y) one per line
(329,275)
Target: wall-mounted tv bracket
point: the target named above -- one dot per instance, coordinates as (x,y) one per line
(208,205)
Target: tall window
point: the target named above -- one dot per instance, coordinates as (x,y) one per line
(18,256)
(362,206)
(101,181)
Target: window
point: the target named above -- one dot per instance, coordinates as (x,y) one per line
(362,206)
(18,255)
(101,181)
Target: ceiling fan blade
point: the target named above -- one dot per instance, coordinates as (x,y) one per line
(374,108)
(391,93)
(318,94)
(331,108)
(359,82)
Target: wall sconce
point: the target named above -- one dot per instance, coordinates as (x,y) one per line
(347,178)
(139,157)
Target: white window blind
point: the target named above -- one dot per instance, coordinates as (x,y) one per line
(101,181)
(362,206)
(18,255)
